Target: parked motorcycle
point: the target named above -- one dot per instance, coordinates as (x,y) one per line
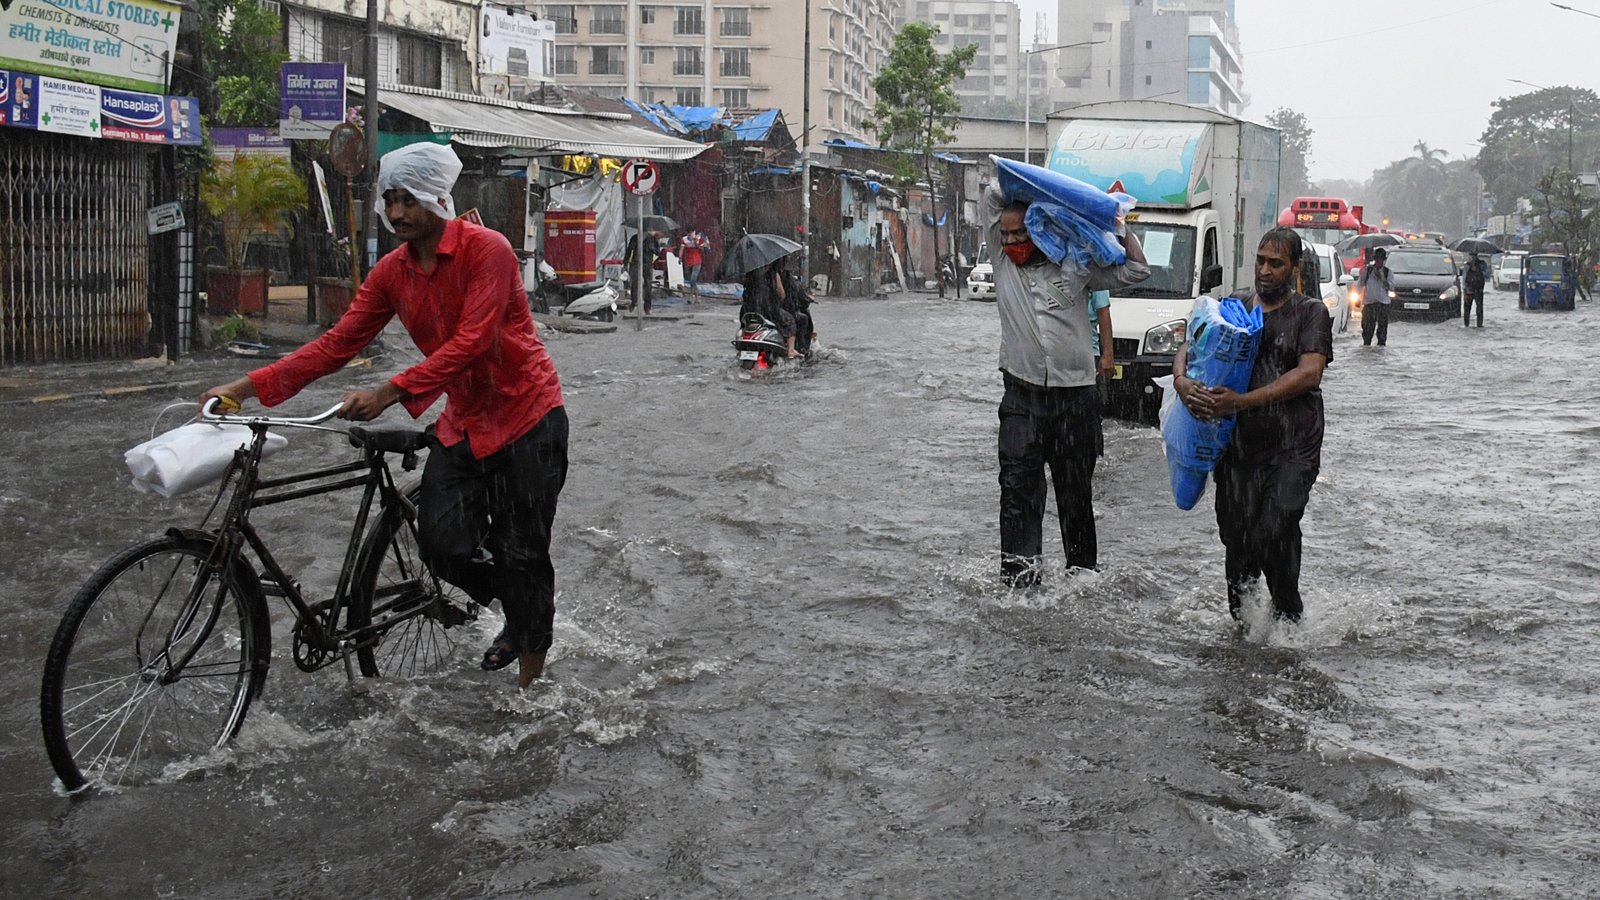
(598,303)
(760,344)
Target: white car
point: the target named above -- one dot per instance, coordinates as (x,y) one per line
(1332,286)
(1507,272)
(980,281)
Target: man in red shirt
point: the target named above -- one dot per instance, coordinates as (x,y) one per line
(498,453)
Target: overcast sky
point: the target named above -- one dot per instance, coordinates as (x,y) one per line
(1432,66)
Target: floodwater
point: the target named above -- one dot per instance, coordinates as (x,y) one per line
(784,665)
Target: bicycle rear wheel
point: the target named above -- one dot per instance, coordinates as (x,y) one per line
(393,585)
(113,709)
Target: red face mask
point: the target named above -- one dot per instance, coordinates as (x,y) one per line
(1019,253)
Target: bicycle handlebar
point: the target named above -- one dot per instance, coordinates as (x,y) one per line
(208,413)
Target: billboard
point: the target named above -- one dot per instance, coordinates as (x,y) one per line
(115,43)
(312,98)
(511,42)
(41,103)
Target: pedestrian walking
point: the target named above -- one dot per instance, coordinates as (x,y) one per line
(1473,277)
(692,247)
(1265,476)
(497,456)
(1050,412)
(1376,283)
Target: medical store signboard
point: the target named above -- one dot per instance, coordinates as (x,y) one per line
(512,42)
(312,96)
(42,103)
(124,44)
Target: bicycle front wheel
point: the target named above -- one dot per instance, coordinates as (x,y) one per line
(418,616)
(154,663)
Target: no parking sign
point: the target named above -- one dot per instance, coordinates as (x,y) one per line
(641,177)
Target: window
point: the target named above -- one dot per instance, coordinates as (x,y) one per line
(736,63)
(605,20)
(566,59)
(345,41)
(691,20)
(647,56)
(565,16)
(1147,81)
(1199,88)
(606,61)
(736,22)
(688,96)
(737,98)
(647,15)
(1199,52)
(963,21)
(689,62)
(419,61)
(1149,45)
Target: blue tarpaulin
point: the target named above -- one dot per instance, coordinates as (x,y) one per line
(1066,217)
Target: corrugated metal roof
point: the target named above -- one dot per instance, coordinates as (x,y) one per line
(482,122)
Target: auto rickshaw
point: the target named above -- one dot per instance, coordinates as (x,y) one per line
(1549,281)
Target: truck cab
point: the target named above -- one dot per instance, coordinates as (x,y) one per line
(1206,189)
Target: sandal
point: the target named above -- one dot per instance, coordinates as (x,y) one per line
(499,655)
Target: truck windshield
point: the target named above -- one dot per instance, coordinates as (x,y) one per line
(1170,250)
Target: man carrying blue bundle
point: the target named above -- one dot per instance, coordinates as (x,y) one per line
(1050,413)
(1264,478)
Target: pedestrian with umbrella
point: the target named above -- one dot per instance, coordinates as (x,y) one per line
(1472,279)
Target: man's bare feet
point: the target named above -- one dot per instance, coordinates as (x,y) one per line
(530,666)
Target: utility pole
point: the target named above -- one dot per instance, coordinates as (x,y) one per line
(805,157)
(371,131)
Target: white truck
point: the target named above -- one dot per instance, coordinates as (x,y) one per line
(1207,189)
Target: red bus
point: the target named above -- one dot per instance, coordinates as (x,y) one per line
(1324,220)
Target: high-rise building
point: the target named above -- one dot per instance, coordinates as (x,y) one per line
(733,53)
(995,26)
(1185,51)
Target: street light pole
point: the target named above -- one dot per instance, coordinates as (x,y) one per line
(1027,92)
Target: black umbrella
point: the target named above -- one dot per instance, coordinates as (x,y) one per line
(1475,245)
(660,224)
(756,250)
(1369,241)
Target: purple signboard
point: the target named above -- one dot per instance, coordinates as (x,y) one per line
(20,108)
(312,99)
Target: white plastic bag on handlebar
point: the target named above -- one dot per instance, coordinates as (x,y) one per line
(190,456)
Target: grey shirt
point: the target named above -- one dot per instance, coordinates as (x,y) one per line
(1045,338)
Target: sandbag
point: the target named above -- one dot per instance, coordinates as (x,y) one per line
(1066,217)
(1223,339)
(190,456)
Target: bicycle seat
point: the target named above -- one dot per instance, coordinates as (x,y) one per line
(389,437)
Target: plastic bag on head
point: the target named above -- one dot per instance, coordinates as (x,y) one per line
(426,171)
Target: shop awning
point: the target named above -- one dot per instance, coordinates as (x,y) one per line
(482,122)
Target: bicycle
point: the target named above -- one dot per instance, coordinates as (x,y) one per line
(161,651)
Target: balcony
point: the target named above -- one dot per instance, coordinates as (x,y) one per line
(688,68)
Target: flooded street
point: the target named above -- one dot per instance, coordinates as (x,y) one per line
(785,666)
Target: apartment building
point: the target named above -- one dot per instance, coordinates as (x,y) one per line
(734,53)
(995,26)
(1185,51)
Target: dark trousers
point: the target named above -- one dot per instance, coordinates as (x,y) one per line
(1058,428)
(1258,517)
(1375,317)
(504,504)
(1473,296)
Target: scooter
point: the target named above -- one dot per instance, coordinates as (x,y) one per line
(760,344)
(599,303)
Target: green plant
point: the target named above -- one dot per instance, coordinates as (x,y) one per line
(235,328)
(248,195)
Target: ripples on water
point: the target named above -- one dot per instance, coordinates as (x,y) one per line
(783,665)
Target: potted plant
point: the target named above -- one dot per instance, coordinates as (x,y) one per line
(248,195)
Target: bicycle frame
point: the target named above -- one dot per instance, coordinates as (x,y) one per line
(250,491)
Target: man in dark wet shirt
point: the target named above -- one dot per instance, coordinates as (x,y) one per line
(1264,479)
